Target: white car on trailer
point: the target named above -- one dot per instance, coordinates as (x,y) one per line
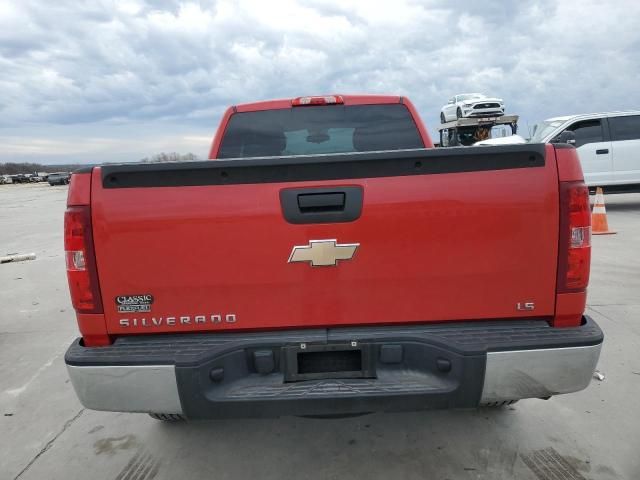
(466,105)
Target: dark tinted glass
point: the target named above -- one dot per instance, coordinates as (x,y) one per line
(319,129)
(589,131)
(625,128)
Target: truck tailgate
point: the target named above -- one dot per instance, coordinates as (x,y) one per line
(462,234)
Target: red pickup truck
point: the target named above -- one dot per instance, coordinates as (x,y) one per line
(330,261)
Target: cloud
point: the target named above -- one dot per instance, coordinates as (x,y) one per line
(96,73)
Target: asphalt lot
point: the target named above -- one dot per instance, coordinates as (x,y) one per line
(46,434)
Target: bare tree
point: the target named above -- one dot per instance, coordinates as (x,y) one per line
(170,157)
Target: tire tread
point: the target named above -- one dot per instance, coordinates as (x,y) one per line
(168,417)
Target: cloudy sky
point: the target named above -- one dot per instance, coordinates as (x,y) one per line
(100,80)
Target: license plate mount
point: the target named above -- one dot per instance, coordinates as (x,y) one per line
(326,361)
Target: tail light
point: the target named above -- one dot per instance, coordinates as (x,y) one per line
(575,237)
(326,100)
(81,262)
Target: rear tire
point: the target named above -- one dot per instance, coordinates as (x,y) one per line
(458,113)
(504,403)
(442,119)
(336,416)
(168,417)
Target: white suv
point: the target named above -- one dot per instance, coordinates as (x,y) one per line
(608,144)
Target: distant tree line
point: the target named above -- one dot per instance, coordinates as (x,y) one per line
(170,157)
(14,168)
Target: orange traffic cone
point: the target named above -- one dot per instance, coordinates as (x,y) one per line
(599,224)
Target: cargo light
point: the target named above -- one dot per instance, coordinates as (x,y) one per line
(325,100)
(575,237)
(80,259)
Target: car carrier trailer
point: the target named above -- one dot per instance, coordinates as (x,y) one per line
(467,131)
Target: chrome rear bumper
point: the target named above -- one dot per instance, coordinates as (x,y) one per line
(484,362)
(518,374)
(127,388)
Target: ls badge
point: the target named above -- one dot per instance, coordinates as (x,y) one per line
(323,253)
(525,306)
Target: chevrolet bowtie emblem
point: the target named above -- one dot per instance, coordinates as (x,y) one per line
(323,253)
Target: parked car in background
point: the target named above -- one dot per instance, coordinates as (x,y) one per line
(59,178)
(20,178)
(36,179)
(471,105)
(5,179)
(608,144)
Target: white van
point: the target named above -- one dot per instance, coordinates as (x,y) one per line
(608,144)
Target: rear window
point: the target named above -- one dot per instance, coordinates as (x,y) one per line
(625,128)
(319,129)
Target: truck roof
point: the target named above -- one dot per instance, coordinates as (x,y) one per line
(355,99)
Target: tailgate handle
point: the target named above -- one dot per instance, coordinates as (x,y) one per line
(321,202)
(321,205)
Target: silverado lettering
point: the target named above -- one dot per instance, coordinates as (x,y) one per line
(371,271)
(179,320)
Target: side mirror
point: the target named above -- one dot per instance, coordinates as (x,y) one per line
(566,137)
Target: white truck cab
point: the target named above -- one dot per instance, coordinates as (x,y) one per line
(608,144)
